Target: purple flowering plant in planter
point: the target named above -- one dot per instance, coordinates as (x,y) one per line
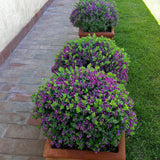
(83,108)
(94,15)
(97,51)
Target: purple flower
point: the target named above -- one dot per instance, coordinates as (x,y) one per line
(84,108)
(86,52)
(86,15)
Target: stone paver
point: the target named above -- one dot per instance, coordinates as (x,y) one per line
(22,131)
(15,107)
(20,97)
(12,157)
(7,146)
(20,76)
(3,95)
(7,87)
(14,118)
(29,147)
(3,128)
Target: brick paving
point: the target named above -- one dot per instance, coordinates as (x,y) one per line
(20,76)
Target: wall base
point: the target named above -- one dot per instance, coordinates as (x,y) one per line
(4,54)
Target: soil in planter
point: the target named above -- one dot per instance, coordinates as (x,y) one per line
(108,30)
(108,148)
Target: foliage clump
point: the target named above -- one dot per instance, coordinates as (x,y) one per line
(83,108)
(94,15)
(97,51)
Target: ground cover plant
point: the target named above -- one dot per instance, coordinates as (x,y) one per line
(83,108)
(138,32)
(99,52)
(94,15)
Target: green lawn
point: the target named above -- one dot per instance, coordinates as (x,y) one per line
(139,33)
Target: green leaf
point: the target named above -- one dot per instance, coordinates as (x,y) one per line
(67,114)
(85,97)
(88,108)
(78,109)
(96,122)
(54,104)
(93,115)
(76,98)
(108,109)
(61,69)
(71,105)
(38,127)
(45,80)
(67,107)
(88,118)
(40,110)
(99,110)
(108,62)
(84,102)
(61,107)
(113,103)
(126,107)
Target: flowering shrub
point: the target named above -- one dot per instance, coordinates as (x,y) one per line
(94,15)
(98,51)
(83,108)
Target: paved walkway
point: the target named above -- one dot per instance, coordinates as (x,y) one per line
(20,76)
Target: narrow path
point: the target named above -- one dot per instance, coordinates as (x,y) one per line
(20,76)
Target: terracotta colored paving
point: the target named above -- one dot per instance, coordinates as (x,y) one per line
(20,76)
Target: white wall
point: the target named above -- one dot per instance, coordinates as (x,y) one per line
(154,7)
(14,15)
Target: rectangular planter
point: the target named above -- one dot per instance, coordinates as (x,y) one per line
(98,34)
(69,154)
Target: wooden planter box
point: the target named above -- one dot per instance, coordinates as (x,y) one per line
(98,34)
(66,154)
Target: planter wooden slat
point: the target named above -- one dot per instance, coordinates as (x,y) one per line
(98,34)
